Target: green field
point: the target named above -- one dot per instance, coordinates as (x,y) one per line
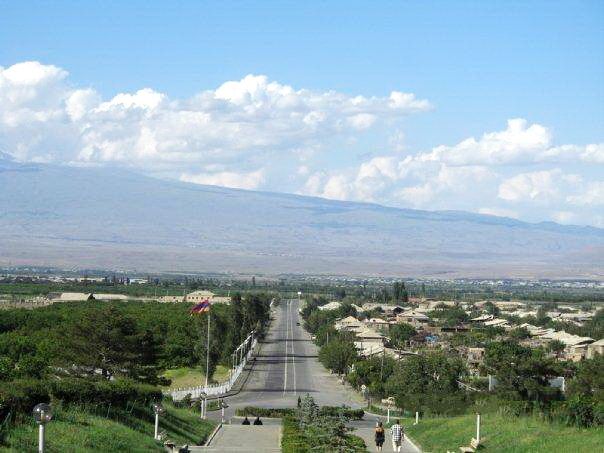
(192,377)
(77,430)
(503,434)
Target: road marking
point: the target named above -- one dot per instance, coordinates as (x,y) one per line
(286,335)
(291,319)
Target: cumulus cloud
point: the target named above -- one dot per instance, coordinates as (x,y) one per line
(496,170)
(256,133)
(252,120)
(519,143)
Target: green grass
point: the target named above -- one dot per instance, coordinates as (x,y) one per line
(77,430)
(503,434)
(192,377)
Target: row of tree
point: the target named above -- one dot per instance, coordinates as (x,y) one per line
(128,339)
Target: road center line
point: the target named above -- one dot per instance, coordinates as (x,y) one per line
(286,336)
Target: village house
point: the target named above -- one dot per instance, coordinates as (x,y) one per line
(413,317)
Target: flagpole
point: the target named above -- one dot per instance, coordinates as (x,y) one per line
(208,351)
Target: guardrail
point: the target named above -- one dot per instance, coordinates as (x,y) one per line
(220,388)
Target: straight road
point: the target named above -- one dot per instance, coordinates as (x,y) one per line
(285,368)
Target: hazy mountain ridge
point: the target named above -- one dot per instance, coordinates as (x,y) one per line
(112,218)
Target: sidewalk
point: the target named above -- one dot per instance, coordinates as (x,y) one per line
(367,434)
(242,438)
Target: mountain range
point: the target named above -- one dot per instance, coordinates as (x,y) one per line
(103,218)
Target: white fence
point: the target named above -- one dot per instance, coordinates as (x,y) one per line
(244,352)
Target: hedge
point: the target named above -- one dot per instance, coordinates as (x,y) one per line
(20,396)
(251,411)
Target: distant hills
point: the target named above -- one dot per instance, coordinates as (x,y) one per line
(111,219)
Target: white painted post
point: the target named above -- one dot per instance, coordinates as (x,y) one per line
(388,419)
(416,417)
(41,438)
(477,428)
(222,414)
(156,435)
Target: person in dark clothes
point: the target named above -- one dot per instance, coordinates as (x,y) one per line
(246,421)
(257,421)
(380,436)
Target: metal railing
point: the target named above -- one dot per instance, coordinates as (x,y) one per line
(244,352)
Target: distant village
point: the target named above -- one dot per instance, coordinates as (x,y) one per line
(11,301)
(372,332)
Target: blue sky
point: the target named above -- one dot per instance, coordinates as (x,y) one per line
(478,64)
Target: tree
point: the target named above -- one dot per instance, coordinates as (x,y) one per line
(491,308)
(556,346)
(338,355)
(400,292)
(428,382)
(400,334)
(520,333)
(522,373)
(105,340)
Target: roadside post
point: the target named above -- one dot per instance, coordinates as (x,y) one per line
(158,409)
(477,429)
(364,392)
(223,406)
(42,414)
(389,402)
(202,403)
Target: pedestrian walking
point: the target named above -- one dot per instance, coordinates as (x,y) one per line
(397,436)
(380,436)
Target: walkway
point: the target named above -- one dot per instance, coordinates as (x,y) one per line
(239,438)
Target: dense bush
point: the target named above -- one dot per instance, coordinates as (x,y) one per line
(19,397)
(331,411)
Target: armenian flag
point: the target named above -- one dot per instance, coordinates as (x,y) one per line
(201,307)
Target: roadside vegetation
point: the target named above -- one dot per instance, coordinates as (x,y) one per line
(502,432)
(103,364)
(431,383)
(311,429)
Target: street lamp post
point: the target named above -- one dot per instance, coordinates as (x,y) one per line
(158,409)
(223,406)
(42,414)
(202,403)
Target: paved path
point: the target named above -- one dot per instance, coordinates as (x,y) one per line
(365,430)
(266,438)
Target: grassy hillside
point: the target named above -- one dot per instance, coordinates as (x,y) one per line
(77,430)
(503,434)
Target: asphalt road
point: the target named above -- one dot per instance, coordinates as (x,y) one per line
(287,367)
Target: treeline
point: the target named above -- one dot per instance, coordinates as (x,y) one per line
(128,339)
(436,382)
(112,353)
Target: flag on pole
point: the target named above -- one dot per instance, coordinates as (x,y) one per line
(201,307)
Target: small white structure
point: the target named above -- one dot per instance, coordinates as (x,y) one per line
(331,306)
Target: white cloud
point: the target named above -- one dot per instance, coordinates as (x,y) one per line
(537,186)
(519,143)
(592,196)
(257,133)
(515,173)
(251,180)
(241,123)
